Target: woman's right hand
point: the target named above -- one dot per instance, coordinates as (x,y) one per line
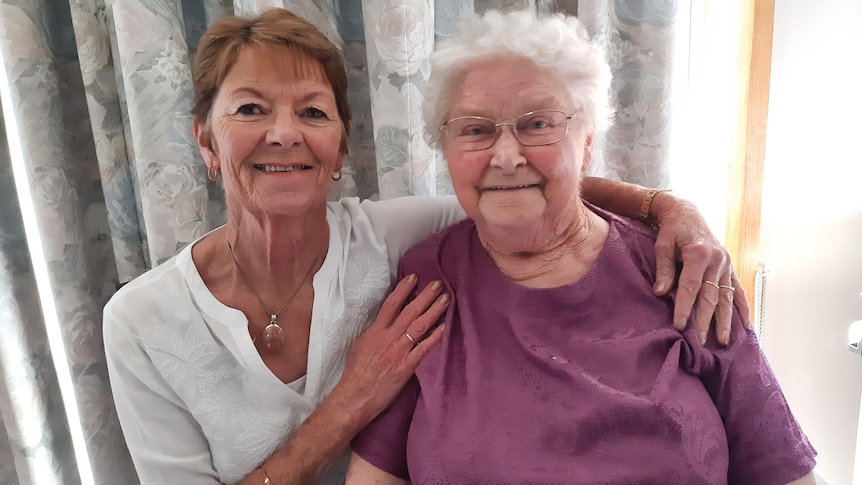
(385,356)
(379,363)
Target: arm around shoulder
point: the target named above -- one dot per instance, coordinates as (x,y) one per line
(403,222)
(612,195)
(683,235)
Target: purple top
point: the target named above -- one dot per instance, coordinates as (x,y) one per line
(581,384)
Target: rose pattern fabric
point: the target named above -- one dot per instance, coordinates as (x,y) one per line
(638,38)
(100,97)
(402,36)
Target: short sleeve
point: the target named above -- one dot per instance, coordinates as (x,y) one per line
(383,443)
(766,445)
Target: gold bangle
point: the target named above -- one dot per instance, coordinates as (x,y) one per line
(646,204)
(266,480)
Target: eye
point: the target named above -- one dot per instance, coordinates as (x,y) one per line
(249,109)
(541,122)
(314,114)
(475,129)
(536,123)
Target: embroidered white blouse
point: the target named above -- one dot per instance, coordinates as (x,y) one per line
(196,402)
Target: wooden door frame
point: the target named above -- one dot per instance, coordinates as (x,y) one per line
(745,177)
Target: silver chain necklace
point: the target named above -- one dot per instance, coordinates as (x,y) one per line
(273,335)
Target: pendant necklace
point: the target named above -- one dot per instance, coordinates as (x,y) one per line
(273,335)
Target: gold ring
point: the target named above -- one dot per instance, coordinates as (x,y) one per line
(727,287)
(717,287)
(411,339)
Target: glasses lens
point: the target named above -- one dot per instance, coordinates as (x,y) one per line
(541,127)
(471,133)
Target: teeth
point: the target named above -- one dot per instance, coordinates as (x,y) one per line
(272,168)
(509,188)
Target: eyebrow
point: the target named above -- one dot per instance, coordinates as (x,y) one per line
(529,105)
(314,93)
(475,113)
(245,90)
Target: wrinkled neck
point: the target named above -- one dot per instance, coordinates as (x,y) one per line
(549,258)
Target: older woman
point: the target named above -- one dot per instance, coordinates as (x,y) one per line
(240,360)
(573,374)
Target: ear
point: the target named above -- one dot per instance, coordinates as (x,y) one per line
(339,163)
(204,140)
(342,153)
(342,149)
(588,154)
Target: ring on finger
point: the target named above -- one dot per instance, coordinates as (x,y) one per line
(726,287)
(411,339)
(712,283)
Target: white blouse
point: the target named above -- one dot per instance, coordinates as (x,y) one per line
(196,402)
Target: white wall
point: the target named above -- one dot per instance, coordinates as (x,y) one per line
(812,222)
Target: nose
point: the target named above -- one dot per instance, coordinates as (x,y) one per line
(284,130)
(507,151)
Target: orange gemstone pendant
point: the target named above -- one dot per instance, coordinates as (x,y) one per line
(272,338)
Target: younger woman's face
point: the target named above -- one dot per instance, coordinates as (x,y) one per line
(274,133)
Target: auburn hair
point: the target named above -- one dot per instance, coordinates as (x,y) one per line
(219,48)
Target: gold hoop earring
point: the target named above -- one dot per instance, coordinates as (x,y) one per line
(212,174)
(336,176)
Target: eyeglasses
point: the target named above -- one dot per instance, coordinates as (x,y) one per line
(536,128)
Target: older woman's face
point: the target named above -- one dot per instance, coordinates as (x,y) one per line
(274,132)
(510,185)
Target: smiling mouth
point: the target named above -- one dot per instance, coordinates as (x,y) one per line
(514,187)
(274,168)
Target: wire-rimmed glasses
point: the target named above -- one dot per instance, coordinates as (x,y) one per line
(536,128)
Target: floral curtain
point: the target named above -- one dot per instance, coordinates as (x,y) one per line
(639,39)
(100,177)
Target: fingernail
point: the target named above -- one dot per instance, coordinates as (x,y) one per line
(702,337)
(680,324)
(435,285)
(659,287)
(411,278)
(443,299)
(725,337)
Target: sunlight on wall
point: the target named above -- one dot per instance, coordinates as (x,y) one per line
(43,474)
(812,223)
(706,97)
(821,119)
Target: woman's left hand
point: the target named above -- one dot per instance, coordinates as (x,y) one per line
(707,281)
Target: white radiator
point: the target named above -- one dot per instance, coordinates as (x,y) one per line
(760,280)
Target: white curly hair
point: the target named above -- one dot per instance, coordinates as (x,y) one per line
(557,44)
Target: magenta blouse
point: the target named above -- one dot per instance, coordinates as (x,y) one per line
(586,383)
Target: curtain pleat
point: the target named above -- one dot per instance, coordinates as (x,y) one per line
(69,219)
(398,43)
(93,28)
(101,94)
(34,441)
(638,38)
(154,59)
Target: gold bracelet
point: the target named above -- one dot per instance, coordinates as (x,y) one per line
(266,480)
(646,204)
